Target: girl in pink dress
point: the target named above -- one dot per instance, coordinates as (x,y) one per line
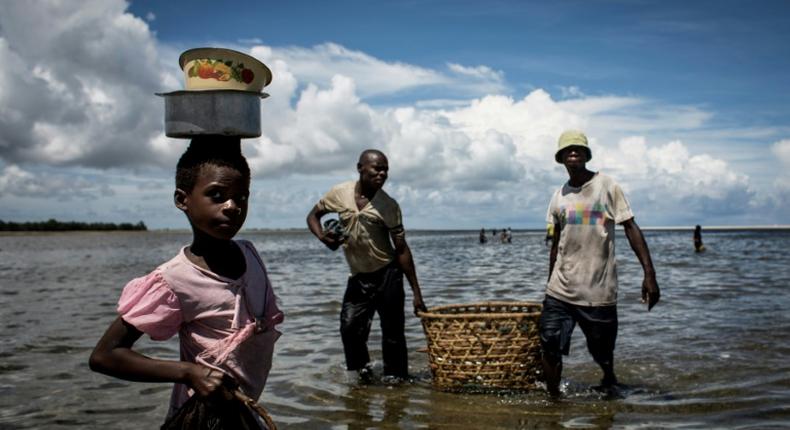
(215,294)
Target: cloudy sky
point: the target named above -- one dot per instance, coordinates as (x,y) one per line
(687,105)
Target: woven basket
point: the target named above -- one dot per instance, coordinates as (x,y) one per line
(483,346)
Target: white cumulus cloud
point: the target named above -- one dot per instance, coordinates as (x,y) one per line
(77,92)
(372,76)
(78,84)
(14,180)
(782,151)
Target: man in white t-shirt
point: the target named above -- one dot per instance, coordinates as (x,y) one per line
(582,286)
(374,243)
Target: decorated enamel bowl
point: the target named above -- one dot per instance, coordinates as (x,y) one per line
(223,69)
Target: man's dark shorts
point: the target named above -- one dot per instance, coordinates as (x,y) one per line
(599,324)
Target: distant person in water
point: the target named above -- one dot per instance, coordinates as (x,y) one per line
(378,256)
(483,238)
(698,246)
(582,286)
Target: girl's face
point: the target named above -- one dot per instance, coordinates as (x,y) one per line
(217,205)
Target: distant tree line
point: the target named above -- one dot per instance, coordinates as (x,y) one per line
(55,225)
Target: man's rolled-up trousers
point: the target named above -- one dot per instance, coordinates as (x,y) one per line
(366,293)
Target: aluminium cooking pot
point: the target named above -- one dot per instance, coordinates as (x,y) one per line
(213,112)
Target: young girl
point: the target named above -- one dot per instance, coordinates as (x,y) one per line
(215,293)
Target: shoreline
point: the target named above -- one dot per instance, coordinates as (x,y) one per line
(709,229)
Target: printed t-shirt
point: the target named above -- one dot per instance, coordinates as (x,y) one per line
(210,314)
(585,271)
(368,247)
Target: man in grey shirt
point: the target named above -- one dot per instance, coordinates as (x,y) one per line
(582,286)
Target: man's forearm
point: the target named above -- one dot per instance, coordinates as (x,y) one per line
(638,244)
(406,264)
(314,222)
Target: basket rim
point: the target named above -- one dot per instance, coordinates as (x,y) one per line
(433,311)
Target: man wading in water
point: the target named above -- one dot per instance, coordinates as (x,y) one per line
(374,243)
(582,285)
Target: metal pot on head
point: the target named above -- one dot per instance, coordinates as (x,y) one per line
(222,96)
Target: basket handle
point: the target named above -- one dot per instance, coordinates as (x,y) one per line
(252,404)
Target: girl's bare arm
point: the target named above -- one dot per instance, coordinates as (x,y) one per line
(113,355)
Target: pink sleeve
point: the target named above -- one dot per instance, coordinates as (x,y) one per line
(272,315)
(151,306)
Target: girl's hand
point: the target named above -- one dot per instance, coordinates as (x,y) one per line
(204,380)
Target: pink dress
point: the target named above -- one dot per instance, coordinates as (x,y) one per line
(226,324)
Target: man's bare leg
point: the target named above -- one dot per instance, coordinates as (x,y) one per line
(552,368)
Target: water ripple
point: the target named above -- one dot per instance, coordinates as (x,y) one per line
(713,353)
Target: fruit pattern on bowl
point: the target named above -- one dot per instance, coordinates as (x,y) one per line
(221,70)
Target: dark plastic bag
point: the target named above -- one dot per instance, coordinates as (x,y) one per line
(214,413)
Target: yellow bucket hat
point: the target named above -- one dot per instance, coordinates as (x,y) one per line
(572,138)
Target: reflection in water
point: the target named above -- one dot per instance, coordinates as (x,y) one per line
(372,407)
(713,353)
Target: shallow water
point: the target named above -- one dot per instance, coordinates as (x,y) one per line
(715,353)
